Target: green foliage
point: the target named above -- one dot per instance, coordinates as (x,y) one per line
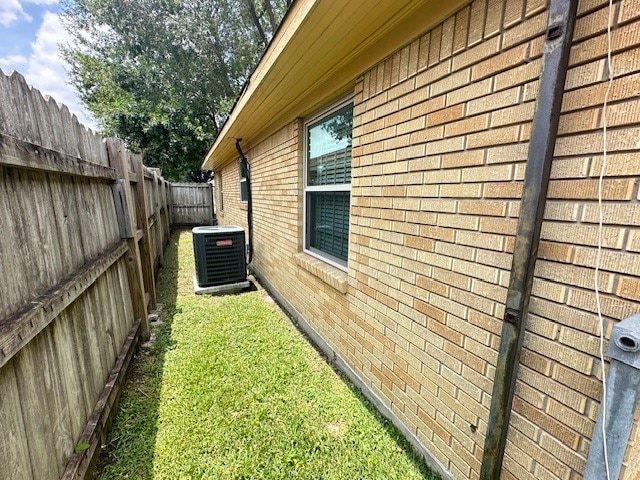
(163,74)
(231,390)
(81,447)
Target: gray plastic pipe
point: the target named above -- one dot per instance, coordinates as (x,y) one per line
(623,391)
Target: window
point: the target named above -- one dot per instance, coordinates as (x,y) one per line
(243,168)
(244,195)
(328,185)
(220,189)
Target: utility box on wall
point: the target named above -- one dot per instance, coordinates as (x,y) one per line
(220,255)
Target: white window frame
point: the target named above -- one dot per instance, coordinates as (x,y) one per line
(221,193)
(325,257)
(243,180)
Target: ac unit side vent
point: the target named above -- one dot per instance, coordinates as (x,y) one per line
(220,255)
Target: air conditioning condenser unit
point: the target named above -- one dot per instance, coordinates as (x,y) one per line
(220,258)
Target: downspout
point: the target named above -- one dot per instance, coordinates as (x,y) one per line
(555,60)
(245,172)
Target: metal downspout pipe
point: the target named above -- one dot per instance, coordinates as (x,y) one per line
(555,60)
(245,171)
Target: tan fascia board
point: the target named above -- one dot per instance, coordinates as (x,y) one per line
(270,109)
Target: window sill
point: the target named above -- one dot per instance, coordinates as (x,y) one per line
(329,274)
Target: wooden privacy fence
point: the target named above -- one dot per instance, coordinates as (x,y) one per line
(192,203)
(83,223)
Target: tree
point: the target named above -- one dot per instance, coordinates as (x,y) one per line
(200,176)
(163,74)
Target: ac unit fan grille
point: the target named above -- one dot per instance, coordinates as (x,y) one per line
(220,258)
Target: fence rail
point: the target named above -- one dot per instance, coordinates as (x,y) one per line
(84,225)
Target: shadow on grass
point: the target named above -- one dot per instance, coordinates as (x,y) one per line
(130,444)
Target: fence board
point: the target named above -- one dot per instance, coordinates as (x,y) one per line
(57,400)
(85,363)
(166,211)
(70,376)
(33,392)
(99,350)
(10,300)
(14,445)
(67,221)
(119,330)
(89,348)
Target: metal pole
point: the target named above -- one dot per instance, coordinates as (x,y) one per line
(543,137)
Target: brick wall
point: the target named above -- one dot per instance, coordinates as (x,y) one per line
(229,209)
(559,383)
(441,132)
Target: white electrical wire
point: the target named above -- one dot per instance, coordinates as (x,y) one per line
(603,167)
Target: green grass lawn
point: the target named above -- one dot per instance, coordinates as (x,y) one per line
(230,390)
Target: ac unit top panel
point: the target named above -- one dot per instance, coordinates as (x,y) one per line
(217,229)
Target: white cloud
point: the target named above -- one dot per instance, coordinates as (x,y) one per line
(46,70)
(8,63)
(11,11)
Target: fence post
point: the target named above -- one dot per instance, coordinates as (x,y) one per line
(146,256)
(157,209)
(212,214)
(167,220)
(119,161)
(172,217)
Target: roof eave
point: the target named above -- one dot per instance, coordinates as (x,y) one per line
(286,85)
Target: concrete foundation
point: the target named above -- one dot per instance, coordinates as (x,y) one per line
(219,289)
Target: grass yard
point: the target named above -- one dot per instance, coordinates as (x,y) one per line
(230,390)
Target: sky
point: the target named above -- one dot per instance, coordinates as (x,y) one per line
(30,35)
